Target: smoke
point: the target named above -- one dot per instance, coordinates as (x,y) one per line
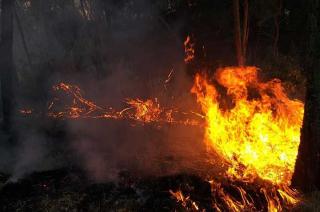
(125,50)
(107,147)
(31,155)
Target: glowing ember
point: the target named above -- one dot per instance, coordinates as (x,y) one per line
(168,79)
(189,50)
(142,111)
(25,111)
(146,111)
(259,134)
(186,202)
(80,107)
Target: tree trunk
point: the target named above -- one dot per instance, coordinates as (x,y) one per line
(277,29)
(245,35)
(241,36)
(6,61)
(237,32)
(307,170)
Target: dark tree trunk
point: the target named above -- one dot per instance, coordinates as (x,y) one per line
(277,29)
(6,62)
(245,35)
(237,32)
(307,169)
(241,35)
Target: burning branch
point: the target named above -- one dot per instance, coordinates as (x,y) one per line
(142,111)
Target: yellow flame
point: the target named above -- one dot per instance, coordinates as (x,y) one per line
(259,134)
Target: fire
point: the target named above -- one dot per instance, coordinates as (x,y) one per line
(142,111)
(186,202)
(253,126)
(146,111)
(239,196)
(258,132)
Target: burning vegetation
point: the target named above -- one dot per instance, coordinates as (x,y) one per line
(250,128)
(138,110)
(253,127)
(259,135)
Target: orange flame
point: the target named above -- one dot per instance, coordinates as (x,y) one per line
(146,111)
(142,111)
(186,202)
(277,199)
(259,135)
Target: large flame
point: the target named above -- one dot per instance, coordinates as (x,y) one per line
(258,131)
